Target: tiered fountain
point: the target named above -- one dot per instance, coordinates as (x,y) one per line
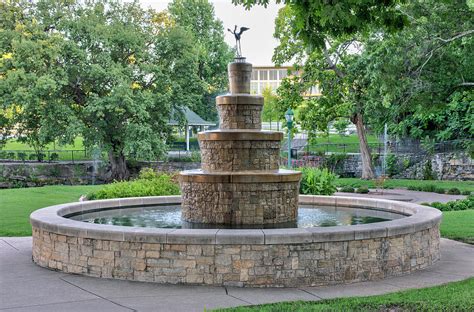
(239,186)
(240,182)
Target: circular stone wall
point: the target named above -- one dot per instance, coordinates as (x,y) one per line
(259,258)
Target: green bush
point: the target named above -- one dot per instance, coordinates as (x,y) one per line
(362,190)
(428,173)
(54,157)
(347,189)
(22,156)
(428,188)
(10,155)
(440,190)
(454,191)
(317,181)
(392,165)
(148,183)
(412,188)
(466,193)
(461,204)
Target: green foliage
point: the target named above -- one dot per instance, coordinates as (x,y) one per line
(460,204)
(271,111)
(333,162)
(22,156)
(54,157)
(428,173)
(362,190)
(213,54)
(392,165)
(428,188)
(466,193)
(316,181)
(347,189)
(454,191)
(440,190)
(107,70)
(148,183)
(341,124)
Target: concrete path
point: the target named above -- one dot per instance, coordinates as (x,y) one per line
(27,287)
(406,195)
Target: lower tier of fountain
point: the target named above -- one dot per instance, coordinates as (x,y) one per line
(291,257)
(243,197)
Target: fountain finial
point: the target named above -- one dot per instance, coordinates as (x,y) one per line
(238,47)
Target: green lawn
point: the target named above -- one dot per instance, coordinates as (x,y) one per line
(15,145)
(335,143)
(458,296)
(16,205)
(458,225)
(402,183)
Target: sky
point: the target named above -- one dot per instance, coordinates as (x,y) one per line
(258,42)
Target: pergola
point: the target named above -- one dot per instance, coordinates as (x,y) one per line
(191,120)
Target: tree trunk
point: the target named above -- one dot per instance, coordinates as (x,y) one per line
(119,170)
(367,168)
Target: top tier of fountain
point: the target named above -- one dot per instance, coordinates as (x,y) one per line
(240,181)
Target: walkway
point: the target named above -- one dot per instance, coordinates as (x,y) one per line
(27,287)
(405,195)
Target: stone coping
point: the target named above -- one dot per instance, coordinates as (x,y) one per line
(239,99)
(244,176)
(418,218)
(240,135)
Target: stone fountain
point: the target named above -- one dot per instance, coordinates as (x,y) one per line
(240,182)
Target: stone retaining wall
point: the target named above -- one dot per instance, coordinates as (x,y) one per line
(257,258)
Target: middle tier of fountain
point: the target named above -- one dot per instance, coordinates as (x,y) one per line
(240,181)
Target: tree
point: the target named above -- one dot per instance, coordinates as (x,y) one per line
(32,78)
(116,73)
(270,110)
(326,30)
(213,54)
(421,79)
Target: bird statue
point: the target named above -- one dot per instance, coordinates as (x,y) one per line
(237,36)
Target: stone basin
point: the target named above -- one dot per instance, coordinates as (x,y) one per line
(252,258)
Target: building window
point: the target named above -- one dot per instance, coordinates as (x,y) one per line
(253,87)
(283,73)
(263,74)
(273,74)
(254,74)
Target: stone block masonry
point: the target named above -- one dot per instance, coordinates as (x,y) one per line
(257,265)
(290,257)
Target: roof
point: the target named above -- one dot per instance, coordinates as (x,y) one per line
(191,117)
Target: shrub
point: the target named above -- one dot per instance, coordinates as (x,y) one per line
(428,173)
(440,190)
(22,156)
(148,183)
(347,189)
(54,157)
(428,188)
(454,191)
(392,165)
(461,204)
(32,157)
(362,190)
(10,155)
(466,193)
(412,188)
(317,181)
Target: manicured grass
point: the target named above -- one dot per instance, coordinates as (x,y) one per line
(458,296)
(335,143)
(458,225)
(15,145)
(16,205)
(403,183)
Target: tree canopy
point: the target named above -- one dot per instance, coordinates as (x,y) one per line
(106,70)
(213,54)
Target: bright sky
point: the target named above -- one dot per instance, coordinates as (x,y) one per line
(258,42)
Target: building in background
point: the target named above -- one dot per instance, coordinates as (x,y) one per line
(270,77)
